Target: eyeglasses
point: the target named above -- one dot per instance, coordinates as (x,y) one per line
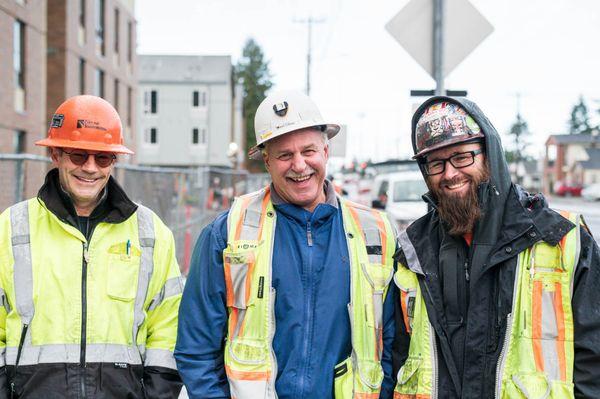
(460,160)
(102,159)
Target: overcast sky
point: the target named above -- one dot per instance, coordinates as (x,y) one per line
(548,51)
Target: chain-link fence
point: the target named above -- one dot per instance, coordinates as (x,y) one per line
(186,199)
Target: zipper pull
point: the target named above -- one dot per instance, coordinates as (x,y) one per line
(466,266)
(309,235)
(86,255)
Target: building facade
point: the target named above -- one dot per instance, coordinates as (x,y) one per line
(189,111)
(92,50)
(571,159)
(22,94)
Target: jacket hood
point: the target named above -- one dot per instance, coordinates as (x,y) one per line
(492,194)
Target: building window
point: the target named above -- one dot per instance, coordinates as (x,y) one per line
(199,99)
(99,83)
(100,27)
(129,42)
(81,31)
(150,102)
(129,105)
(151,135)
(116,33)
(19,142)
(81,76)
(19,148)
(116,92)
(19,64)
(199,135)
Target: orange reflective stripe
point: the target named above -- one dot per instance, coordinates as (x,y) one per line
(536,325)
(560,324)
(247,375)
(404,305)
(382,234)
(398,395)
(358,395)
(228,284)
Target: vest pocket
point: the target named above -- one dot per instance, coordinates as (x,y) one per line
(121,282)
(248,351)
(411,378)
(343,379)
(534,385)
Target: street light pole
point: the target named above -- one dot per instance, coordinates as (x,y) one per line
(438,46)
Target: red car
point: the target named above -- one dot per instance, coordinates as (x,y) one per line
(565,190)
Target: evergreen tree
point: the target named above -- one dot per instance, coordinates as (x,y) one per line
(519,130)
(580,120)
(252,71)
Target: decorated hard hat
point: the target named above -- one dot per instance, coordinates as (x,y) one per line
(444,124)
(284,112)
(87,123)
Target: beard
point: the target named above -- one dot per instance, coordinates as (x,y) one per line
(459,212)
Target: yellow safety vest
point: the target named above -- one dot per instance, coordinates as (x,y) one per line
(538,351)
(250,362)
(133,290)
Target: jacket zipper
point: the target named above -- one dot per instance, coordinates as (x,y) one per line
(21,342)
(434,363)
(306,343)
(83,319)
(309,237)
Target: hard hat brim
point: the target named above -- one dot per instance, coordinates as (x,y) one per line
(447,143)
(85,145)
(330,128)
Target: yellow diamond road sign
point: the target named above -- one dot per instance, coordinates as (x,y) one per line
(464,28)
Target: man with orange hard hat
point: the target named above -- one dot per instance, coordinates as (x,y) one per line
(89,283)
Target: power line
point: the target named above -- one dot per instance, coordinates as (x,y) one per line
(309,22)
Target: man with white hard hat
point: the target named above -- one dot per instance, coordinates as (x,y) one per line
(287,295)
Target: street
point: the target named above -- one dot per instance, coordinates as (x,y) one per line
(589,209)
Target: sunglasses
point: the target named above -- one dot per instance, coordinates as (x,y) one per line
(103,159)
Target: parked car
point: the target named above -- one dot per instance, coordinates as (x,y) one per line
(591,192)
(399,194)
(564,190)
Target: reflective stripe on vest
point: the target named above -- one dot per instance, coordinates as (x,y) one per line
(249,359)
(418,376)
(23,285)
(538,352)
(146,238)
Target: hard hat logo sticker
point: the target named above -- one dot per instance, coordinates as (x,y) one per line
(84,123)
(57,120)
(281,108)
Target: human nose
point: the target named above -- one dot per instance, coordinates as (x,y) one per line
(449,170)
(298,163)
(90,164)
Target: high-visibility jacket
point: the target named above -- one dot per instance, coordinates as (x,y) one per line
(538,351)
(250,362)
(84,318)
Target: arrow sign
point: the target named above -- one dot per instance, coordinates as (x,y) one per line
(464,29)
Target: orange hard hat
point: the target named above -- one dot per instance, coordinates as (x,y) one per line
(87,123)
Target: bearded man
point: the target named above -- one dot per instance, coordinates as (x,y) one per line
(497,292)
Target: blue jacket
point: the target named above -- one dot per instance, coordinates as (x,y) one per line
(312,324)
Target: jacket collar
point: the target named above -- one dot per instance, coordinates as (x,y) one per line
(113,207)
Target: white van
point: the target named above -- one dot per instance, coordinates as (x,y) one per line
(399,194)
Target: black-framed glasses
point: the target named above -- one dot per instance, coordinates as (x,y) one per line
(460,160)
(80,157)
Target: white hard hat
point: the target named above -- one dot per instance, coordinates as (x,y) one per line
(284,112)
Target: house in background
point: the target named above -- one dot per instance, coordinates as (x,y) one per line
(189,111)
(571,159)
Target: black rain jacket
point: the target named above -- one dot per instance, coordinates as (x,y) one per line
(470,287)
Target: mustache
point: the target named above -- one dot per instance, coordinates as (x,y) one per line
(293,175)
(454,180)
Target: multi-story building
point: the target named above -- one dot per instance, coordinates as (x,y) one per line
(190,111)
(51,50)
(92,50)
(22,94)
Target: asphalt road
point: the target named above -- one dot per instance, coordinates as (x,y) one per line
(589,209)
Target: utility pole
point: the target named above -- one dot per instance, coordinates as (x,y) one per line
(309,22)
(438,46)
